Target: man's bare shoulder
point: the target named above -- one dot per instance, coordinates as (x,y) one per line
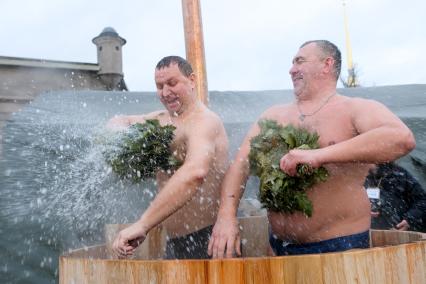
(367,114)
(359,102)
(207,117)
(204,124)
(362,105)
(275,111)
(214,116)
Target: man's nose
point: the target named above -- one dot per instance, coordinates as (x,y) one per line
(292,70)
(165,91)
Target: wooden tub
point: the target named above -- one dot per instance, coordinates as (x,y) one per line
(395,257)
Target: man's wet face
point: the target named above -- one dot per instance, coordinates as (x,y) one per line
(172,87)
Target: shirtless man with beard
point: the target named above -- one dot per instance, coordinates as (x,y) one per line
(354,133)
(187,201)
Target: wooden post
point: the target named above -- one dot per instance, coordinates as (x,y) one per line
(194,44)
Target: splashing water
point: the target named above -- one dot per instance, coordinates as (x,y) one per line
(57,193)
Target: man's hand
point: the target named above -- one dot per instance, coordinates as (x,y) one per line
(117,123)
(128,240)
(289,161)
(403,226)
(225,239)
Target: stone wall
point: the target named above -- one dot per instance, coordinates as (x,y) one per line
(21,84)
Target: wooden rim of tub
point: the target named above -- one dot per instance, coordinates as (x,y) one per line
(395,257)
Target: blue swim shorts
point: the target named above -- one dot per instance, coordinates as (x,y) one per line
(280,247)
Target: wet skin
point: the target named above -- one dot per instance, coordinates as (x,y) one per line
(188,198)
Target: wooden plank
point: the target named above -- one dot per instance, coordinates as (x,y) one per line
(396,268)
(416,263)
(258,270)
(225,271)
(393,237)
(333,268)
(360,266)
(302,269)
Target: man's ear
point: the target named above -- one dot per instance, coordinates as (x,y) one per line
(329,65)
(192,78)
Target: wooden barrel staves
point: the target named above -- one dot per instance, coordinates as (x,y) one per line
(395,257)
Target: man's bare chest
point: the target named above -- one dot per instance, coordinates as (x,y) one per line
(332,126)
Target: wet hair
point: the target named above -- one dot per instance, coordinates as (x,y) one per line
(329,49)
(184,66)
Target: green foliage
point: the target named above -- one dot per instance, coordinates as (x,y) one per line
(140,151)
(278,191)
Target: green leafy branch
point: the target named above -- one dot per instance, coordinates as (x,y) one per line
(279,191)
(142,150)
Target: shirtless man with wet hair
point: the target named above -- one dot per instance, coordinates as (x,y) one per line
(354,133)
(187,201)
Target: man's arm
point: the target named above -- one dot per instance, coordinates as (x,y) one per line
(178,190)
(382,137)
(225,239)
(121,122)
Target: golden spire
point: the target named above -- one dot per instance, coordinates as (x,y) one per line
(351,82)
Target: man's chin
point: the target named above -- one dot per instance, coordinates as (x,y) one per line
(172,107)
(173,110)
(297,91)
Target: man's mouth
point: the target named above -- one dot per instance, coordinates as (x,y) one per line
(173,103)
(297,78)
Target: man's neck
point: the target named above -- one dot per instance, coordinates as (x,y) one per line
(195,106)
(313,97)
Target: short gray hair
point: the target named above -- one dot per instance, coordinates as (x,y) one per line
(329,49)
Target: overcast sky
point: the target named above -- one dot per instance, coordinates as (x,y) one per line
(249,44)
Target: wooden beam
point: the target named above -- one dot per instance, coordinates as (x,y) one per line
(194,44)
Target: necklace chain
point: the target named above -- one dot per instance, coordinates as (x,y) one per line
(302,115)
